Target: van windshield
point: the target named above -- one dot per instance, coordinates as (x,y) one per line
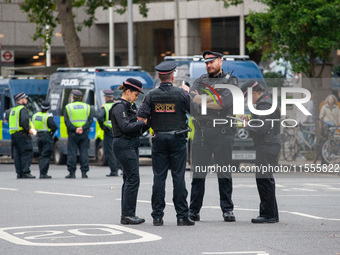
(33,103)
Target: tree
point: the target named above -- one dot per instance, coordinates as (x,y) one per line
(303,32)
(47,14)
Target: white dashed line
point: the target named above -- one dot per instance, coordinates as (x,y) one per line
(62,194)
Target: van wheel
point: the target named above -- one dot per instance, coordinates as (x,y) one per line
(59,158)
(100,155)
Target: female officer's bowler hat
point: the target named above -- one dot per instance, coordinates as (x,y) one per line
(134,84)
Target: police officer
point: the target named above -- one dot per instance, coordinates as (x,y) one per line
(126,130)
(19,128)
(45,126)
(209,140)
(106,124)
(166,107)
(267,145)
(78,119)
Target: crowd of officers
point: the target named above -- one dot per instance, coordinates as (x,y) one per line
(165,110)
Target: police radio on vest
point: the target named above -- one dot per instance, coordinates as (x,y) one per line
(238,100)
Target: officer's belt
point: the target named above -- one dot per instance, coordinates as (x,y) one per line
(165,132)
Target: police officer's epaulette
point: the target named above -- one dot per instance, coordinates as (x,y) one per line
(116,103)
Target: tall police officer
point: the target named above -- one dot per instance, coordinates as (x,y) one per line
(105,123)
(166,107)
(209,140)
(127,129)
(19,128)
(78,119)
(45,126)
(267,145)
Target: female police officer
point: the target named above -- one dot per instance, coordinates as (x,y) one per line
(267,146)
(126,131)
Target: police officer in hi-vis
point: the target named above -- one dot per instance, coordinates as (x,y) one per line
(166,107)
(45,126)
(267,145)
(78,119)
(19,128)
(127,129)
(104,120)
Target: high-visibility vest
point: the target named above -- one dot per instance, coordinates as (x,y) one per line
(78,112)
(14,122)
(40,122)
(107,108)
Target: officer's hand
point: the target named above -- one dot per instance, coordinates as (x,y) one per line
(185,87)
(246,118)
(79,130)
(32,131)
(141,119)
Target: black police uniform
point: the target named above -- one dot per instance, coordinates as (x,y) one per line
(112,161)
(126,131)
(267,145)
(77,142)
(211,141)
(45,146)
(166,107)
(22,144)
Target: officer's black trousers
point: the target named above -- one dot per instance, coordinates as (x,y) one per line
(126,150)
(213,142)
(267,155)
(45,145)
(22,152)
(77,142)
(169,152)
(109,154)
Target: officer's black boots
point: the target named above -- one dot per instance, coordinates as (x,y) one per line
(84,175)
(70,176)
(261,219)
(229,216)
(131,220)
(158,222)
(45,176)
(185,222)
(25,176)
(195,217)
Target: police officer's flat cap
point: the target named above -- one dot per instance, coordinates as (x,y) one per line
(166,67)
(134,84)
(108,92)
(211,55)
(45,105)
(20,95)
(248,84)
(77,92)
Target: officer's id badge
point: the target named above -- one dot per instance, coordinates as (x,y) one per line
(165,108)
(124,115)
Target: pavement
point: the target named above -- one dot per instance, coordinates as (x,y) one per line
(82,216)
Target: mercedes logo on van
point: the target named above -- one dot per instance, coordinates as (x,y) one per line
(242,133)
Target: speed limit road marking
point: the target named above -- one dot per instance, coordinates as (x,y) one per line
(75,235)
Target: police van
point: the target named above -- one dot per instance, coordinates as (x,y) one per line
(189,68)
(35,87)
(91,82)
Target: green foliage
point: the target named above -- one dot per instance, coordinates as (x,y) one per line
(274,79)
(44,14)
(299,31)
(228,3)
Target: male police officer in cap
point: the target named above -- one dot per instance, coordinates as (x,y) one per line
(166,108)
(19,128)
(209,140)
(45,126)
(105,123)
(78,119)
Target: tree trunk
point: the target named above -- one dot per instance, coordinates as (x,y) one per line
(70,37)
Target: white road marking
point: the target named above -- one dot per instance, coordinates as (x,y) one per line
(238,252)
(146,201)
(62,194)
(8,189)
(142,236)
(308,215)
(302,189)
(331,188)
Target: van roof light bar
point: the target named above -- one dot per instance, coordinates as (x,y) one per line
(117,68)
(200,58)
